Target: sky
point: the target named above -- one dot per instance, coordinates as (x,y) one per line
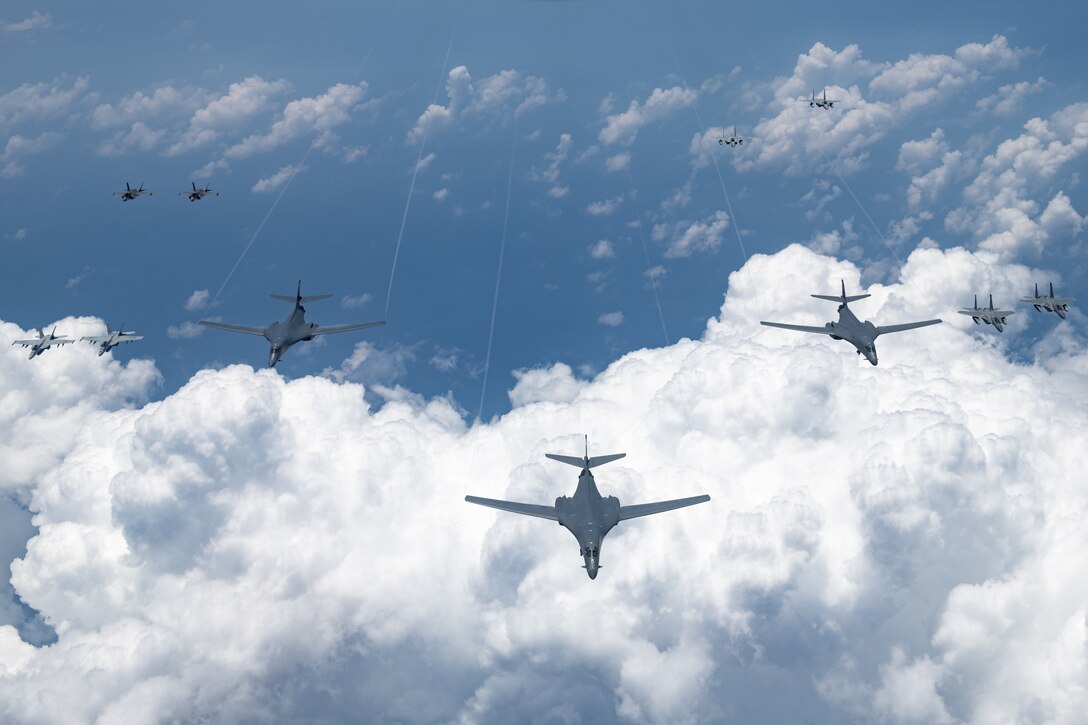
(532,195)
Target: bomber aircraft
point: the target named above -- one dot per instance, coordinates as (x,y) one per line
(823,103)
(587,514)
(987,314)
(282,335)
(862,335)
(733,140)
(1057,305)
(111,339)
(43,343)
(196,194)
(129,193)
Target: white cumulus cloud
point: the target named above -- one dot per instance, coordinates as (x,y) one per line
(252,548)
(278,179)
(496,96)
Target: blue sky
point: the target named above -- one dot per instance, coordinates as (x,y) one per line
(176,473)
(336,227)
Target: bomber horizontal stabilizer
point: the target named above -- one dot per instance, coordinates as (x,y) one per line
(833,298)
(303,300)
(585,462)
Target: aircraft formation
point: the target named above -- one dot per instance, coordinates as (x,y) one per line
(194,194)
(587,514)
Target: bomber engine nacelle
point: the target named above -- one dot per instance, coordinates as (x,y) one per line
(611,511)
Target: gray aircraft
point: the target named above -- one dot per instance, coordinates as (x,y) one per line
(282,335)
(733,140)
(823,103)
(588,515)
(111,339)
(129,193)
(862,335)
(196,194)
(43,343)
(987,314)
(1057,305)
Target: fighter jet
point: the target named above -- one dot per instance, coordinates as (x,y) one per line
(823,103)
(1057,305)
(111,339)
(282,335)
(733,140)
(43,343)
(197,194)
(862,335)
(588,515)
(129,193)
(987,314)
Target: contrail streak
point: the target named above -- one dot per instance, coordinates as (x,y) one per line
(646,256)
(415,170)
(498,274)
(259,228)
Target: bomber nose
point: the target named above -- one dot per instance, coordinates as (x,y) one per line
(273,357)
(591,566)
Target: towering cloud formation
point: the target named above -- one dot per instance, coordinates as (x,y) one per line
(900,542)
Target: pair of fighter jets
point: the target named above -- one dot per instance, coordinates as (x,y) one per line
(997,318)
(822,102)
(105,343)
(194,194)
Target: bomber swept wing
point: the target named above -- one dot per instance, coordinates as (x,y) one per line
(645,509)
(885,329)
(800,328)
(329,330)
(528,509)
(235,328)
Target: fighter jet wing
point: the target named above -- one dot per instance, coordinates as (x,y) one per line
(528,509)
(885,329)
(128,338)
(234,328)
(801,328)
(44,343)
(96,339)
(344,328)
(645,509)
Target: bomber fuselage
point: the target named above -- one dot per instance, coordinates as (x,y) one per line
(589,516)
(862,335)
(282,335)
